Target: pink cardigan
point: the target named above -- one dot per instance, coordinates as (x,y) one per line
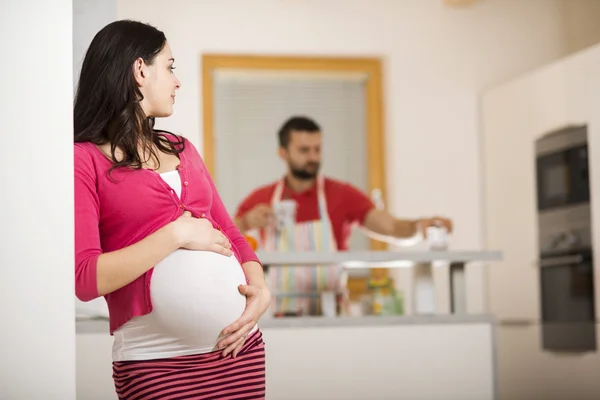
(113,213)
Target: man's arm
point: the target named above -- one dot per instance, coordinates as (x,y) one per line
(384,223)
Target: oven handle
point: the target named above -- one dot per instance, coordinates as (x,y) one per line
(558,261)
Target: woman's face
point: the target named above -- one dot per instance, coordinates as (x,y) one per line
(158,84)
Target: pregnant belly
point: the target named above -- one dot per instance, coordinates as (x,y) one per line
(195,296)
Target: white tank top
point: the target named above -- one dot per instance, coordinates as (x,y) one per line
(194,296)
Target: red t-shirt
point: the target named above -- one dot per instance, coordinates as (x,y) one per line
(346,205)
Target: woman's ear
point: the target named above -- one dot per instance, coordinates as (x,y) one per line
(139,72)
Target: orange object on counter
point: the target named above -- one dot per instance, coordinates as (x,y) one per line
(252,242)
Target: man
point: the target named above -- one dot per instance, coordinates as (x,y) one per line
(326,211)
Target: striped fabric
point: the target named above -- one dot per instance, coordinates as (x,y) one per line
(203,376)
(296,288)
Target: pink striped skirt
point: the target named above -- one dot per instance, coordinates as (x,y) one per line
(203,376)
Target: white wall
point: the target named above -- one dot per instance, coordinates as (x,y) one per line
(437,60)
(89,16)
(37,339)
(514,115)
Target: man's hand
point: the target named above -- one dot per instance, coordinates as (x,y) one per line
(422,224)
(382,224)
(259,217)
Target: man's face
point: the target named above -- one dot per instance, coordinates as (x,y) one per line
(303,154)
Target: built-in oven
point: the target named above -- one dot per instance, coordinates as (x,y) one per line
(566,261)
(567,300)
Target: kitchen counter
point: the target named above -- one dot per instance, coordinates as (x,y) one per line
(446,354)
(448,270)
(100,325)
(353,358)
(455,278)
(387,259)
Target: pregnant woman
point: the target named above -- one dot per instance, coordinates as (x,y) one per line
(184,289)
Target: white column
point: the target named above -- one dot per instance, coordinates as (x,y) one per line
(37,335)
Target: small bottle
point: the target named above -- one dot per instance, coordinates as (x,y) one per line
(378,302)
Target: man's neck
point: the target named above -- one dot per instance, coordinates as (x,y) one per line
(299,185)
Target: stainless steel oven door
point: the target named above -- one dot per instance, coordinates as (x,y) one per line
(568,302)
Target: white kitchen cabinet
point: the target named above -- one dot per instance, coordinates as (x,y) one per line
(399,358)
(514,115)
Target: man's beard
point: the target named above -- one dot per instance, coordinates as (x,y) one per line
(304,173)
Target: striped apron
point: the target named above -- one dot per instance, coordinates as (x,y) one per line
(299,288)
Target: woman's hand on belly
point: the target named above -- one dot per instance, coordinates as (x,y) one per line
(199,234)
(258,299)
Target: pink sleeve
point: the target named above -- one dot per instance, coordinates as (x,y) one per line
(221,217)
(87,235)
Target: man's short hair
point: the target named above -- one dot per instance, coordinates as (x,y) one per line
(297,123)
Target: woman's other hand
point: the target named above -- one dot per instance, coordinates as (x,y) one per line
(258,299)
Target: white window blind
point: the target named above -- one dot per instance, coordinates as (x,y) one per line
(251,107)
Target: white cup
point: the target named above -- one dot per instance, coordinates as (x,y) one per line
(437,237)
(285,214)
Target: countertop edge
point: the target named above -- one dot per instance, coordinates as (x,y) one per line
(100,325)
(376,257)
